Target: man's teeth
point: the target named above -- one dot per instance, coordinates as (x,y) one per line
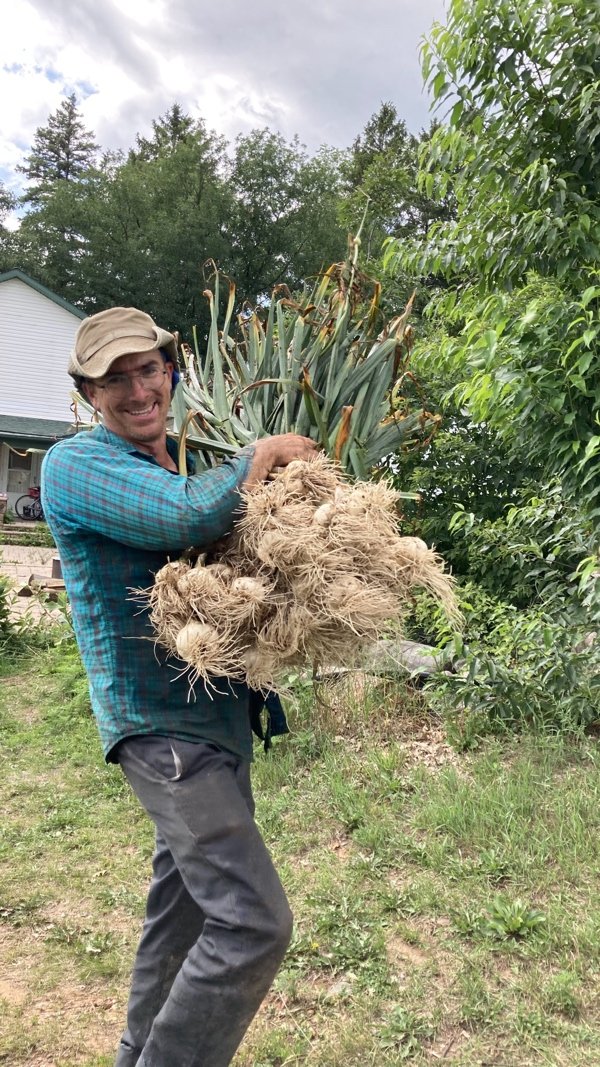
(142,411)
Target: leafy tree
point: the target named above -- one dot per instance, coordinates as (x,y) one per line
(466,469)
(529,553)
(147,227)
(521,258)
(517,338)
(62,151)
(138,229)
(522,140)
(283,226)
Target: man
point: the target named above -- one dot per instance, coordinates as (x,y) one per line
(217,921)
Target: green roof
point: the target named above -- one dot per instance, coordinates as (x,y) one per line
(21,432)
(22,277)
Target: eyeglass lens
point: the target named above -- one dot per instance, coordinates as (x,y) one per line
(121,383)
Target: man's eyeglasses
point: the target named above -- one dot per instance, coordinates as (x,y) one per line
(151,377)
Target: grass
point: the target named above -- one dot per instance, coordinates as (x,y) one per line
(446,905)
(35,535)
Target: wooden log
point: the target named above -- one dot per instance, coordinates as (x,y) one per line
(41,583)
(391,658)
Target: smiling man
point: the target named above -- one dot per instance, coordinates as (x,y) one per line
(134,402)
(217,920)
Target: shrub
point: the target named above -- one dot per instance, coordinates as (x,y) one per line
(531,604)
(6,626)
(548,680)
(64,662)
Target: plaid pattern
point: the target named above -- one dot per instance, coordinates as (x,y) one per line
(117,517)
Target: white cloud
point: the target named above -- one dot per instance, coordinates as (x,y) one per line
(319,71)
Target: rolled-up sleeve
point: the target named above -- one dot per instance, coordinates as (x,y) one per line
(91,486)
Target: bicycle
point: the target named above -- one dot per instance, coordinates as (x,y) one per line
(29,506)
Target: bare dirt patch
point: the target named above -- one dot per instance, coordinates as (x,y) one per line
(400,953)
(85,915)
(447,1046)
(51,1009)
(12,992)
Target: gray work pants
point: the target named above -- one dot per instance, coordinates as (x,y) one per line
(217,920)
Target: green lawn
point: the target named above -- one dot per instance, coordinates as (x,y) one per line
(447,906)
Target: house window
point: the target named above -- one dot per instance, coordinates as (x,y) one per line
(19,471)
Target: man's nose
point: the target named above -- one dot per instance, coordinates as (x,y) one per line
(137,386)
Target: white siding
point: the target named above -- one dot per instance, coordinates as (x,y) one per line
(36,336)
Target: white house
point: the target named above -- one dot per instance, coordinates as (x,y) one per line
(37,331)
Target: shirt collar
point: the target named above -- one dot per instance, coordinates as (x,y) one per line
(121,443)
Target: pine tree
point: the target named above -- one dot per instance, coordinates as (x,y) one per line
(169,130)
(385,132)
(7,202)
(7,237)
(382,171)
(62,151)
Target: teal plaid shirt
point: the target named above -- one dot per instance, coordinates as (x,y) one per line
(117,517)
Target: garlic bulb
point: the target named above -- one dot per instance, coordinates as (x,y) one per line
(192,635)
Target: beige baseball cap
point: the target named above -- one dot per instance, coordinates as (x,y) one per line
(104,337)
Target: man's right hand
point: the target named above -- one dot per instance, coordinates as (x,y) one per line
(273,452)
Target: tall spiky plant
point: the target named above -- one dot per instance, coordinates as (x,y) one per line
(328,368)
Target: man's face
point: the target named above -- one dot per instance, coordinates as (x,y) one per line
(134,397)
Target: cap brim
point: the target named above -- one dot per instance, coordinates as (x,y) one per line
(99,364)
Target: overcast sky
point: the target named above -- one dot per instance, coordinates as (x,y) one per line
(318,70)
